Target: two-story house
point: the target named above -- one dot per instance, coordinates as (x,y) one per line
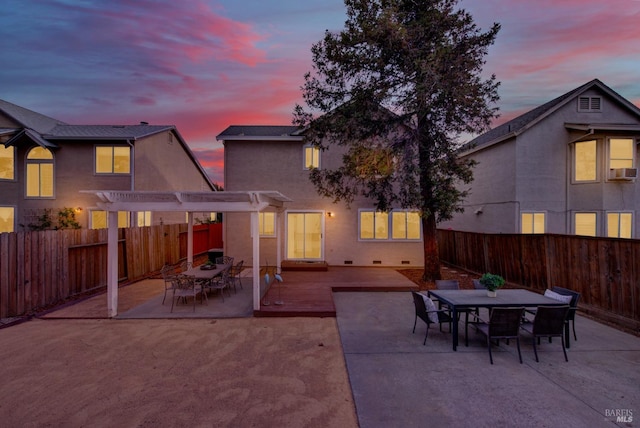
(46,164)
(568,167)
(314,229)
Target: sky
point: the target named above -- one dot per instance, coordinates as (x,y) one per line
(204,65)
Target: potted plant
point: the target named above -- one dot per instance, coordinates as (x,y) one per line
(491,282)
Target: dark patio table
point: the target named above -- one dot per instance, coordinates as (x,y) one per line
(465,299)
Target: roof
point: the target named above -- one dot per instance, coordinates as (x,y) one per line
(28,118)
(261,132)
(520,124)
(109,132)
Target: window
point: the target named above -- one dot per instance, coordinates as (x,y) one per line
(585,161)
(99,219)
(7,219)
(619,225)
(311,157)
(380,226)
(39,173)
(531,222)
(585,224)
(7,163)
(405,225)
(621,152)
(144,218)
(113,159)
(267,224)
(589,104)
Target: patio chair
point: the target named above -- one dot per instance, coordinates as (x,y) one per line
(224,260)
(504,323)
(185,286)
(548,322)
(220,282)
(427,312)
(234,274)
(573,307)
(477,285)
(454,284)
(167,272)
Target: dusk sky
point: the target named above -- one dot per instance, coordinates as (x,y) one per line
(203,65)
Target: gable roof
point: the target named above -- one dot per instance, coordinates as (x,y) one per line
(106,132)
(28,118)
(260,133)
(520,124)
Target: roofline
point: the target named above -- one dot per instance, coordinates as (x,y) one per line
(292,138)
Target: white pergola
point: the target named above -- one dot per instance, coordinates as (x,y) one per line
(253,202)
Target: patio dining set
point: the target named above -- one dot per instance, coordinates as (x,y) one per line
(188,281)
(549,315)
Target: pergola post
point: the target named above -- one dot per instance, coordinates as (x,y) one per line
(190,237)
(255,236)
(112,264)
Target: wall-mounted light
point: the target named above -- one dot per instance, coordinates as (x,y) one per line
(330,214)
(78,210)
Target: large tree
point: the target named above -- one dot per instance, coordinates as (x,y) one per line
(396,88)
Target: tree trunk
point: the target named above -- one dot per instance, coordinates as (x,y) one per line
(431,253)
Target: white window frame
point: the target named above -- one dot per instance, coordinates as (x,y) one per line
(13,163)
(315,163)
(533,214)
(389,226)
(619,213)
(576,213)
(261,223)
(40,162)
(574,159)
(112,147)
(633,151)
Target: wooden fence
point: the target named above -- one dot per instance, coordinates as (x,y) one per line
(606,271)
(41,269)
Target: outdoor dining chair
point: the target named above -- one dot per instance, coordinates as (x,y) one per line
(167,272)
(220,282)
(454,284)
(573,306)
(234,275)
(185,286)
(504,323)
(427,312)
(224,260)
(548,322)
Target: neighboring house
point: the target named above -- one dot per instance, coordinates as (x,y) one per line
(314,229)
(45,164)
(566,167)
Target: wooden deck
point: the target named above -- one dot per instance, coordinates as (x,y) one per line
(310,293)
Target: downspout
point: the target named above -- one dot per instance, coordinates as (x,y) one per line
(133,166)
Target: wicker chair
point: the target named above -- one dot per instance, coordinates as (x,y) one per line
(548,322)
(429,315)
(504,323)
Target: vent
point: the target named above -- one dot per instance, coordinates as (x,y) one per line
(589,104)
(405,262)
(623,173)
(377,262)
(348,262)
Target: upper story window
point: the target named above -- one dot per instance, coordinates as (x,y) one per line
(311,157)
(382,226)
(585,161)
(589,104)
(619,225)
(113,159)
(585,224)
(267,224)
(7,162)
(39,182)
(7,219)
(532,222)
(621,153)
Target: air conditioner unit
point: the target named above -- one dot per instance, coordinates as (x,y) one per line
(623,173)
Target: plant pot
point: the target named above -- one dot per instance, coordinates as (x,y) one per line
(492,293)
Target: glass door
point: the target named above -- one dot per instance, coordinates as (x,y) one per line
(304,235)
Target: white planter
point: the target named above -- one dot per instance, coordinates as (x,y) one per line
(492,293)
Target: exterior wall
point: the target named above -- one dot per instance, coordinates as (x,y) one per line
(534,173)
(168,168)
(278,165)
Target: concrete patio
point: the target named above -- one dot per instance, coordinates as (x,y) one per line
(366,362)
